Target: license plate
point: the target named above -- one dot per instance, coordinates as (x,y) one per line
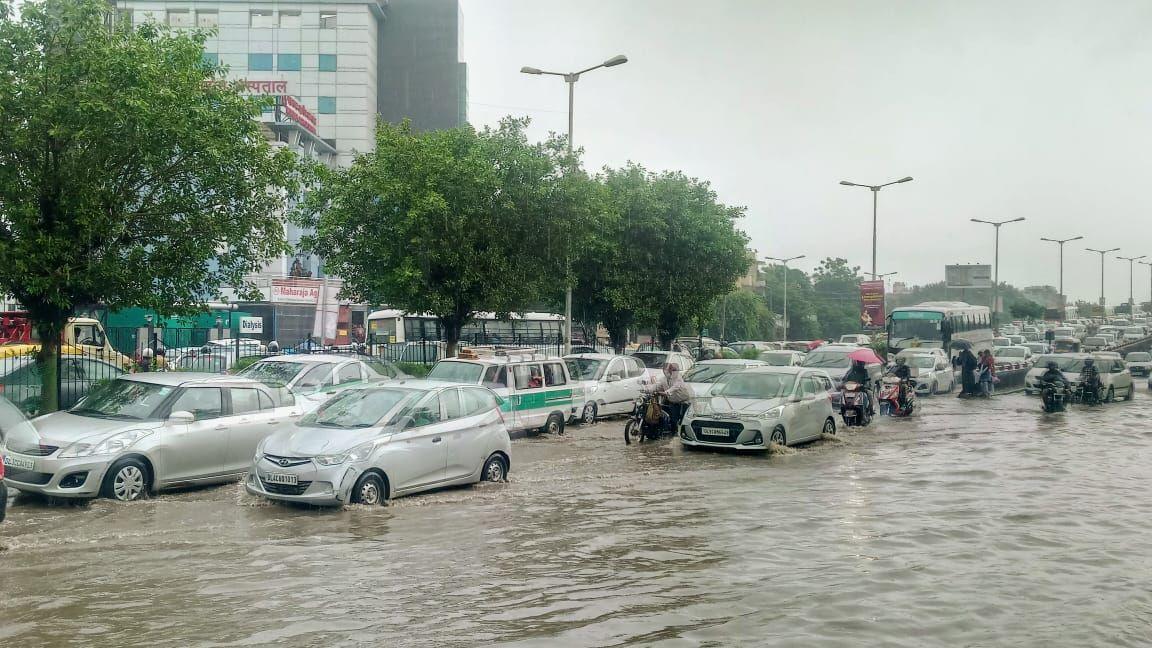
(280,478)
(711,431)
(17,462)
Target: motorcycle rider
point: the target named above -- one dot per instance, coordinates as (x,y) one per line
(1053,378)
(904,373)
(1090,379)
(858,373)
(676,393)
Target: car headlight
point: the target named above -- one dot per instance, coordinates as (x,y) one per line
(700,408)
(775,412)
(94,446)
(358,453)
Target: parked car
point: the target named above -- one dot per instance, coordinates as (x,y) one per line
(703,375)
(373,443)
(654,361)
(759,406)
(11,418)
(147,432)
(933,371)
(611,384)
(1014,354)
(783,358)
(1139,363)
(21,382)
(317,376)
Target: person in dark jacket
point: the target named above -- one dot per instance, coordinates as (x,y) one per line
(968,366)
(858,373)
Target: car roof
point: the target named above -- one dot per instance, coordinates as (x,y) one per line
(308,358)
(180,378)
(782,370)
(838,348)
(729,361)
(591,356)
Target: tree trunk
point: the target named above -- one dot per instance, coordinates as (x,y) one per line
(619,338)
(48,358)
(667,329)
(450,326)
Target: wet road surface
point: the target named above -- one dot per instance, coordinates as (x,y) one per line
(973,524)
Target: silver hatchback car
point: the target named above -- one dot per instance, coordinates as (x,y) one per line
(147,431)
(368,444)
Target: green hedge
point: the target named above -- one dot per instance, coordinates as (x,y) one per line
(414,369)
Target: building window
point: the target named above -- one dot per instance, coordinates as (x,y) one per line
(260,18)
(288,62)
(327,62)
(260,62)
(326,105)
(211,60)
(289,20)
(207,19)
(179,18)
(327,20)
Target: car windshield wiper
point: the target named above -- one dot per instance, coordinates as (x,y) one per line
(88,411)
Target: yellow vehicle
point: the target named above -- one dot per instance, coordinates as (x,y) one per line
(82,336)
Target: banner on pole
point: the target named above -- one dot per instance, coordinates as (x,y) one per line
(872,304)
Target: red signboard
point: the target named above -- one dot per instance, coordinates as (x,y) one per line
(296,111)
(872,304)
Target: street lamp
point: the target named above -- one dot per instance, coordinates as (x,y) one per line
(1149,264)
(875,193)
(784,262)
(996,263)
(1061,243)
(1102,253)
(887,274)
(571,78)
(1131,301)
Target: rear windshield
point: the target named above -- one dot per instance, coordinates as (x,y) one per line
(777,358)
(827,360)
(1137,356)
(705,373)
(457,372)
(652,360)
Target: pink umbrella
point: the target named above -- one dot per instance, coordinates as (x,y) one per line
(815,344)
(865,355)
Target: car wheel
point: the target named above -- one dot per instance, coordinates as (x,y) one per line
(369,490)
(778,437)
(554,424)
(829,427)
(1111,395)
(1131,392)
(494,469)
(935,389)
(126,480)
(589,416)
(3,500)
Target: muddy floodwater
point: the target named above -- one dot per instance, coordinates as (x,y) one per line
(973,524)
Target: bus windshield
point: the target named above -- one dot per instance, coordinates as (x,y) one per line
(919,325)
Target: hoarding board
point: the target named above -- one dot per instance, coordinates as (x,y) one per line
(968,276)
(872,304)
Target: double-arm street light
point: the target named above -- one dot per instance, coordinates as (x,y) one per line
(1061,243)
(784,262)
(1102,253)
(1131,261)
(996,263)
(571,78)
(1149,264)
(887,274)
(875,198)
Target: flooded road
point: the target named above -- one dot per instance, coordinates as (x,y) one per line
(965,526)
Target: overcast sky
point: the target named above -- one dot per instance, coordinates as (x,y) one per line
(1037,109)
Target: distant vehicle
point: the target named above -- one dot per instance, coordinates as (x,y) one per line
(1095,343)
(802,346)
(1038,348)
(1115,379)
(1064,332)
(391,326)
(1001,342)
(856,338)
(319,372)
(1134,334)
(1014,354)
(654,361)
(1066,345)
(760,406)
(81,336)
(370,444)
(21,381)
(929,323)
(741,347)
(611,384)
(835,362)
(783,358)
(1139,363)
(703,375)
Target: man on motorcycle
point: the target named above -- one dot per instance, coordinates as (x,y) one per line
(1053,375)
(1090,379)
(676,392)
(859,373)
(904,373)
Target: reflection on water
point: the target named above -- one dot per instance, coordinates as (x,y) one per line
(981,524)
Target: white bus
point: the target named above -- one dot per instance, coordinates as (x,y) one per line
(928,324)
(390,326)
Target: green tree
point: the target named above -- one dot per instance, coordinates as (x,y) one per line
(802,317)
(450,222)
(836,287)
(741,315)
(130,172)
(1026,309)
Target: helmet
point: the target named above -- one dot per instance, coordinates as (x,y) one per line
(901,360)
(1088,362)
(1053,366)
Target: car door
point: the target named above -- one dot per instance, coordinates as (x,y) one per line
(614,387)
(251,414)
(809,421)
(349,373)
(195,450)
(417,455)
(527,397)
(472,419)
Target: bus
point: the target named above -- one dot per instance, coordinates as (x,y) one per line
(928,324)
(391,326)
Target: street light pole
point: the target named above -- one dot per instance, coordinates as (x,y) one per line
(1061,243)
(875,200)
(784,262)
(996,263)
(571,78)
(1102,253)
(1131,301)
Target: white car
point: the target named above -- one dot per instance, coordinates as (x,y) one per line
(1134,334)
(1001,342)
(759,406)
(370,444)
(1094,343)
(741,347)
(1018,353)
(1038,348)
(783,358)
(856,338)
(1114,376)
(1139,363)
(611,383)
(315,377)
(703,375)
(932,371)
(654,361)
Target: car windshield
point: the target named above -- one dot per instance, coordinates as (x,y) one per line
(457,372)
(777,359)
(1012,353)
(123,399)
(1137,356)
(754,385)
(272,372)
(921,361)
(357,408)
(585,368)
(827,360)
(740,347)
(707,373)
(652,360)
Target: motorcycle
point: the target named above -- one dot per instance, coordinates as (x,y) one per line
(1054,397)
(854,405)
(1088,395)
(648,421)
(889,397)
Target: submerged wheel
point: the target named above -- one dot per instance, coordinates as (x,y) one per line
(369,490)
(829,426)
(778,437)
(554,424)
(494,469)
(589,415)
(126,480)
(1111,396)
(632,432)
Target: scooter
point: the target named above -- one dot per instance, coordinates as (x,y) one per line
(854,405)
(648,421)
(1054,397)
(890,397)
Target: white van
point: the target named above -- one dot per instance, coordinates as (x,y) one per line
(537,391)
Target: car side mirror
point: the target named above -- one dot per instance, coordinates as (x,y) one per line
(181,417)
(611,378)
